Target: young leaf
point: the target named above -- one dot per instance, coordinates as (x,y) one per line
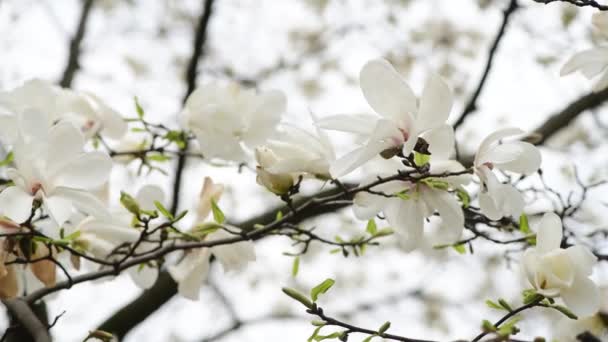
(524,227)
(494,305)
(138,108)
(321,288)
(421,159)
(218,215)
(384,327)
(296,266)
(129,203)
(163,210)
(565,311)
(460,249)
(298,296)
(371,227)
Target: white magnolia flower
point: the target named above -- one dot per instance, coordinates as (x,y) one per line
(554,272)
(592,62)
(227,118)
(191,271)
(403,117)
(86,111)
(497,200)
(296,152)
(50,166)
(407,211)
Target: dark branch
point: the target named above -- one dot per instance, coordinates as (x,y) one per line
(22,314)
(579,3)
(471,106)
(200,38)
(74,53)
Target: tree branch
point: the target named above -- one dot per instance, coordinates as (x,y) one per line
(579,3)
(200,37)
(23,314)
(471,106)
(74,53)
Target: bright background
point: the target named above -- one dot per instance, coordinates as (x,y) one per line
(141,48)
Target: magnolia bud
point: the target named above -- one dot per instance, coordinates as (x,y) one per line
(278,184)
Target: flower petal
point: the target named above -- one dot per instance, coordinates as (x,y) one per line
(366,206)
(441,142)
(67,143)
(235,256)
(87,171)
(362,124)
(589,62)
(59,208)
(144,277)
(85,202)
(482,153)
(16,204)
(449,210)
(516,156)
(582,258)
(385,91)
(583,297)
(406,218)
(435,104)
(148,194)
(549,233)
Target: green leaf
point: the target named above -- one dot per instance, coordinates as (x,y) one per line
(218,215)
(460,248)
(464,197)
(509,327)
(129,203)
(8,159)
(207,228)
(421,159)
(294,294)
(315,333)
(331,336)
(436,183)
(530,296)
(371,228)
(384,327)
(163,210)
(524,227)
(180,216)
(368,338)
(139,109)
(403,195)
(494,305)
(157,157)
(504,304)
(279,216)
(565,311)
(321,288)
(335,251)
(487,326)
(75,235)
(295,267)
(384,232)
(318,323)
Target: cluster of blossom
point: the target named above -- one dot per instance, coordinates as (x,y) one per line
(51,171)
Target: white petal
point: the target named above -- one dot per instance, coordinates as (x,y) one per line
(366,206)
(406,219)
(441,142)
(235,256)
(530,265)
(190,272)
(87,171)
(583,297)
(582,258)
(218,145)
(354,159)
(148,194)
(265,117)
(59,208)
(449,210)
(362,124)
(144,277)
(435,104)
(34,126)
(67,143)
(488,206)
(16,204)
(385,91)
(84,201)
(113,124)
(516,156)
(482,153)
(549,233)
(589,62)
(8,128)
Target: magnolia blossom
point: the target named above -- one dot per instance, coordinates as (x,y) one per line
(402,117)
(51,167)
(592,62)
(405,205)
(191,271)
(86,111)
(554,271)
(496,199)
(227,118)
(296,152)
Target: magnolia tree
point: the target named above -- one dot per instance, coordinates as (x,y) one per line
(60,227)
